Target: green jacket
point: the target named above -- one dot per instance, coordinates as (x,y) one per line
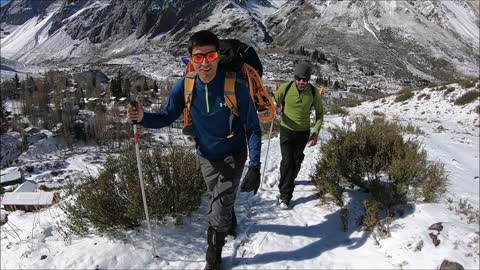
(296,113)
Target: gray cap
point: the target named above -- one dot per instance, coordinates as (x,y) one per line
(303,69)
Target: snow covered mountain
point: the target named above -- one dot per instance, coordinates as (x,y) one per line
(430,40)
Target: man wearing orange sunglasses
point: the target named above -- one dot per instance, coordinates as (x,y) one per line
(222,157)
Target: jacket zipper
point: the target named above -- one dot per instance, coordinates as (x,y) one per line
(206,98)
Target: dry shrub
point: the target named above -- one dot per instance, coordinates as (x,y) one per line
(374,157)
(404,95)
(466,98)
(113,200)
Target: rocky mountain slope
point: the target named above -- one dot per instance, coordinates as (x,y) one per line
(429,40)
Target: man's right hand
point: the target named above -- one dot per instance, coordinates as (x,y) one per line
(135,113)
(278,112)
(279,108)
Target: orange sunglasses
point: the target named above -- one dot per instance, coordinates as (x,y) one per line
(210,56)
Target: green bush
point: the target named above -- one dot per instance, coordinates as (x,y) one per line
(113,200)
(463,83)
(335,109)
(466,98)
(448,91)
(424,96)
(404,95)
(327,175)
(440,129)
(371,217)
(467,83)
(419,97)
(432,85)
(348,102)
(378,113)
(433,181)
(412,129)
(376,158)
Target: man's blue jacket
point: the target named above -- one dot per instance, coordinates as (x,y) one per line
(210,118)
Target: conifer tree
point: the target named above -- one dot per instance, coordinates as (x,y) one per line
(315,55)
(126,87)
(322,57)
(155,86)
(116,85)
(17,82)
(145,84)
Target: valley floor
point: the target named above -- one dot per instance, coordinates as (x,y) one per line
(307,236)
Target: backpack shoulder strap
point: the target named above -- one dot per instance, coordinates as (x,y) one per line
(230,99)
(229,92)
(314,90)
(285,95)
(188,86)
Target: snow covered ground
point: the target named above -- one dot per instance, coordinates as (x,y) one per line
(308,236)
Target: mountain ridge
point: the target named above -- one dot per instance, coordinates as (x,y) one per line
(431,40)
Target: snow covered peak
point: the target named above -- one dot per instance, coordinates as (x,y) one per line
(20,11)
(429,39)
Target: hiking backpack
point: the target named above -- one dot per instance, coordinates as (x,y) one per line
(234,56)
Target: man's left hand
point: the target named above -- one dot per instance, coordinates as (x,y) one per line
(313,140)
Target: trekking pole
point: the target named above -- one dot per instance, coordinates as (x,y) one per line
(266,156)
(142,187)
(268,145)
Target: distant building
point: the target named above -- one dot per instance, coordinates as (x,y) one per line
(29,201)
(11,176)
(27,186)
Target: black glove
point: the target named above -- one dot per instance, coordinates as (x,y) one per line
(251,182)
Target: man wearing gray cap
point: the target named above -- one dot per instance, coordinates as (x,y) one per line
(296,100)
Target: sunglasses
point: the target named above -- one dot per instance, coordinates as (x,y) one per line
(301,79)
(210,56)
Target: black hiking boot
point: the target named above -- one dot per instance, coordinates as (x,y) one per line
(216,240)
(212,267)
(233,228)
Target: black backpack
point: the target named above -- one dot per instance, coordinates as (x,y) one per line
(233,53)
(235,56)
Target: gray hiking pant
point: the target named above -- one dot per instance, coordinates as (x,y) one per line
(222,178)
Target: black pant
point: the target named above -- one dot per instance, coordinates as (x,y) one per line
(292,144)
(222,178)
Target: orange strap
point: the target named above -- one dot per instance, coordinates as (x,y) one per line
(229,92)
(188,85)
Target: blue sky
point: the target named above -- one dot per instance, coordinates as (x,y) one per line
(2,1)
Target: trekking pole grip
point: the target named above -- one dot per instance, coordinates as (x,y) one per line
(134,104)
